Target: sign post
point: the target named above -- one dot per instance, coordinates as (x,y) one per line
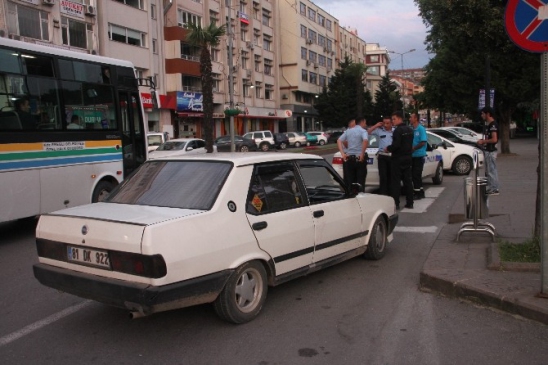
(526,23)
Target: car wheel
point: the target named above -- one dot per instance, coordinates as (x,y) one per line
(244,294)
(438,176)
(377,240)
(102,191)
(283,146)
(244,149)
(297,144)
(462,165)
(307,144)
(264,147)
(321,142)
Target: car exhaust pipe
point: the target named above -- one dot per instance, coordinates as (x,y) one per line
(136,314)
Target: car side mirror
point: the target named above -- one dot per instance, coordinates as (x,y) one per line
(444,145)
(189,148)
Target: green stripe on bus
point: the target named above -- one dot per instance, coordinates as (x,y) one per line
(53,154)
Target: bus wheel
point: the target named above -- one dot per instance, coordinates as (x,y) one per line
(102,190)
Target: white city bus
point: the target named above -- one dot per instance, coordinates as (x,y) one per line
(71,127)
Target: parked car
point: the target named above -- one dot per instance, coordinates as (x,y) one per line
(241,144)
(281,141)
(179,146)
(311,139)
(263,139)
(467,132)
(150,246)
(454,136)
(457,157)
(475,126)
(433,164)
(322,137)
(155,139)
(297,139)
(334,136)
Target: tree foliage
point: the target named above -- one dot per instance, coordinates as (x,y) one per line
(345,97)
(205,38)
(387,98)
(463,35)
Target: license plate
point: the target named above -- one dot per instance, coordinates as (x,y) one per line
(88,256)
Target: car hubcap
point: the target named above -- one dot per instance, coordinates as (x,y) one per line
(463,166)
(244,149)
(380,237)
(248,290)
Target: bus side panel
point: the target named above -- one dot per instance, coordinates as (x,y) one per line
(20,195)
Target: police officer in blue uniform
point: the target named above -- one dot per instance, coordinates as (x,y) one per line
(352,146)
(383,130)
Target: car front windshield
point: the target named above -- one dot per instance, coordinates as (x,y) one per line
(172,146)
(174,184)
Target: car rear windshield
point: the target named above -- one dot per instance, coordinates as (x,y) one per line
(174,184)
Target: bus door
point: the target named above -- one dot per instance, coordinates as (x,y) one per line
(133,134)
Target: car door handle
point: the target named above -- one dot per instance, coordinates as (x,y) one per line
(318,213)
(259,225)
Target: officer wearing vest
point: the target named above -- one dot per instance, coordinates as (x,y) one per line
(383,130)
(401,149)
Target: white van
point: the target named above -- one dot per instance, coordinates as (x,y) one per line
(154,140)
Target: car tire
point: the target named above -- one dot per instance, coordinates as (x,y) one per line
(264,147)
(297,144)
(438,175)
(307,144)
(321,142)
(376,247)
(244,149)
(244,294)
(283,146)
(462,165)
(102,191)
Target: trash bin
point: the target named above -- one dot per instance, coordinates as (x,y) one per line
(475,202)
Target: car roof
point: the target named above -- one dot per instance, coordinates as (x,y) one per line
(182,139)
(242,159)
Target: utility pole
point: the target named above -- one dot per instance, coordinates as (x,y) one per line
(230,76)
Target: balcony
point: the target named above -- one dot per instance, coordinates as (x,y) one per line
(190,57)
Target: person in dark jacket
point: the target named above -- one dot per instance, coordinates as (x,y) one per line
(401,149)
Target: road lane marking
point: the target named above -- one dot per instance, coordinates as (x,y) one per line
(428,229)
(421,206)
(42,323)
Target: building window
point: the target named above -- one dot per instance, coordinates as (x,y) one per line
(153,11)
(311,14)
(312,35)
(125,35)
(304,31)
(321,40)
(329,44)
(374,58)
(245,87)
(74,33)
(312,56)
(267,41)
(321,20)
(321,60)
(304,52)
(329,63)
(214,54)
(328,24)
(266,18)
(313,78)
(256,38)
(138,4)
(323,81)
(303,9)
(245,60)
(267,67)
(27,22)
(269,92)
(258,89)
(139,73)
(243,33)
(213,17)
(184,18)
(373,70)
(304,75)
(154,45)
(216,82)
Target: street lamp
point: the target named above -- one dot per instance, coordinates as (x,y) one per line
(402,95)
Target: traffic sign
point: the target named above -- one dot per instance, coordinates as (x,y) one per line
(527,24)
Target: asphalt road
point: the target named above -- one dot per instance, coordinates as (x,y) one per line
(359,312)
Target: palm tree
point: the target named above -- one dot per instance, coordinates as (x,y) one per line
(205,38)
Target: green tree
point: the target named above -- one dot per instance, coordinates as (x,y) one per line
(205,38)
(463,35)
(387,98)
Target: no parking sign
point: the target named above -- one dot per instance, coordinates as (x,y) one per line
(527,24)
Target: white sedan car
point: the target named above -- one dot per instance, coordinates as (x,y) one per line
(179,146)
(433,164)
(150,246)
(457,157)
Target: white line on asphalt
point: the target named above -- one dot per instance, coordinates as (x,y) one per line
(44,322)
(420,206)
(429,229)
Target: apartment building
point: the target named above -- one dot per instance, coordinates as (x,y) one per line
(254,64)
(309,37)
(123,29)
(377,60)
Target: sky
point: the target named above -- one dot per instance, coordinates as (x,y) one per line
(393,24)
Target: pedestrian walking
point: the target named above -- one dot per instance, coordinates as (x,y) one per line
(419,153)
(352,145)
(383,130)
(489,145)
(401,149)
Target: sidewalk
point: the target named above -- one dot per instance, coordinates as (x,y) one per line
(469,268)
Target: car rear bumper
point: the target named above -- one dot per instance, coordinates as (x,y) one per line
(142,298)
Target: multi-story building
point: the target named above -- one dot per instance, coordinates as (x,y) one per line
(308,35)
(122,29)
(351,45)
(254,63)
(377,60)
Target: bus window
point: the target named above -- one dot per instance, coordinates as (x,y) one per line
(37,65)
(10,61)
(93,103)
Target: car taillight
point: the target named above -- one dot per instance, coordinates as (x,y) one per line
(136,264)
(337,161)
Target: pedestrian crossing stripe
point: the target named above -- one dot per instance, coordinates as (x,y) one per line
(428,229)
